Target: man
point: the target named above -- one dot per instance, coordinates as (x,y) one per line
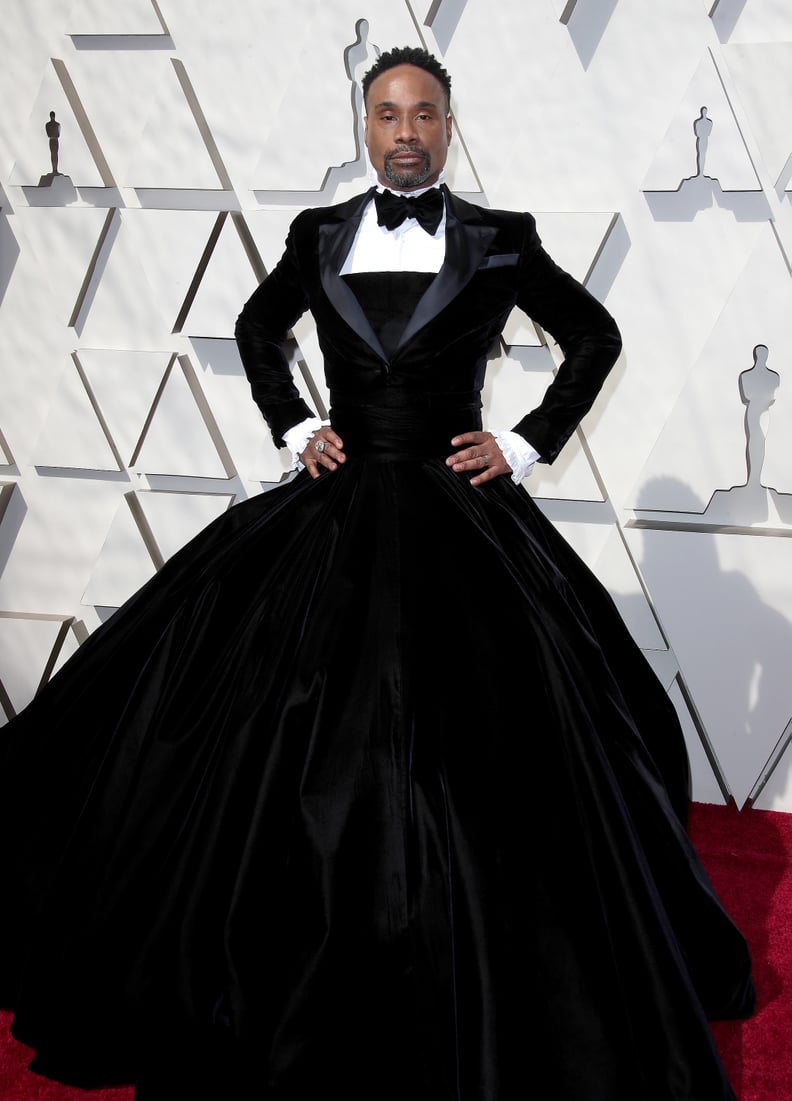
(581,948)
(486,261)
(375,795)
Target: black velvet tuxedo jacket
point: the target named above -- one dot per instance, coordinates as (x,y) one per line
(493,261)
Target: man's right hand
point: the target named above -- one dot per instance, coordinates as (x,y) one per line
(324,449)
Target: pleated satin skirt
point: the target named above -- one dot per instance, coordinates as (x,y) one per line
(368,792)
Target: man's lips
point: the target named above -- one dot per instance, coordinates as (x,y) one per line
(407,158)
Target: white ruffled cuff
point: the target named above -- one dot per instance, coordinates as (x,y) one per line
(517,452)
(298,436)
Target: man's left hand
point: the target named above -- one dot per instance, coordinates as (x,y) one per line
(480,452)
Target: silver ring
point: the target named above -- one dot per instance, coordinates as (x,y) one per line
(320,445)
(483,458)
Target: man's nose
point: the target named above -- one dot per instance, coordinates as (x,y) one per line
(405,131)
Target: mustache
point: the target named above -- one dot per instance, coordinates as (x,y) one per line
(414,150)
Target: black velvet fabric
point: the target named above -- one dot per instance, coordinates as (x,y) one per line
(368,789)
(368,793)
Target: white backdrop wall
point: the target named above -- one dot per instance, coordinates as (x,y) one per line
(650,138)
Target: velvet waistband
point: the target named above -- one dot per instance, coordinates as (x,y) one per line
(397,426)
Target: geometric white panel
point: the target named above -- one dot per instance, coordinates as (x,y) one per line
(72,435)
(531,46)
(704,784)
(664,666)
(762,74)
(515,384)
(124,385)
(587,540)
(309,353)
(241,425)
(224,286)
(574,239)
(725,604)
(124,564)
(703,444)
(123,309)
(519,331)
(142,120)
(62,242)
(459,172)
(178,439)
(269,229)
(170,245)
(97,17)
(175,518)
(615,569)
(57,525)
(32,144)
(149,527)
(710,145)
(569,478)
(71,644)
(26,645)
(309,63)
(755,21)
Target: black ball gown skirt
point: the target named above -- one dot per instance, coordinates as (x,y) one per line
(368,793)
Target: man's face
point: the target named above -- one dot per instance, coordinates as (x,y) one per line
(408,129)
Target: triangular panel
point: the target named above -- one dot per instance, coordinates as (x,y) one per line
(63,243)
(755,21)
(124,385)
(32,151)
(125,562)
(29,647)
(704,782)
(178,439)
(703,140)
(134,17)
(515,384)
(170,245)
(616,570)
(706,588)
(762,73)
(702,447)
(223,288)
(241,424)
(72,435)
(122,309)
(175,518)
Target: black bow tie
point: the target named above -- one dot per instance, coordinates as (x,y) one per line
(427,209)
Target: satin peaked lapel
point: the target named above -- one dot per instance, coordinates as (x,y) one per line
(465,248)
(335,241)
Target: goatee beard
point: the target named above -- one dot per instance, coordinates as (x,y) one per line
(415,177)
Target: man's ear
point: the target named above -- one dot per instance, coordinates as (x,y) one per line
(365,131)
(449,128)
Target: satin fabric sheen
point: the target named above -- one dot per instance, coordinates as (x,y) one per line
(297,822)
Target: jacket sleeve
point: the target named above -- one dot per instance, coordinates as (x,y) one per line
(588,338)
(261,332)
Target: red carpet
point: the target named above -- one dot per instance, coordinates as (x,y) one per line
(749,858)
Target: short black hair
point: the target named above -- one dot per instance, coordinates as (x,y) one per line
(408,55)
